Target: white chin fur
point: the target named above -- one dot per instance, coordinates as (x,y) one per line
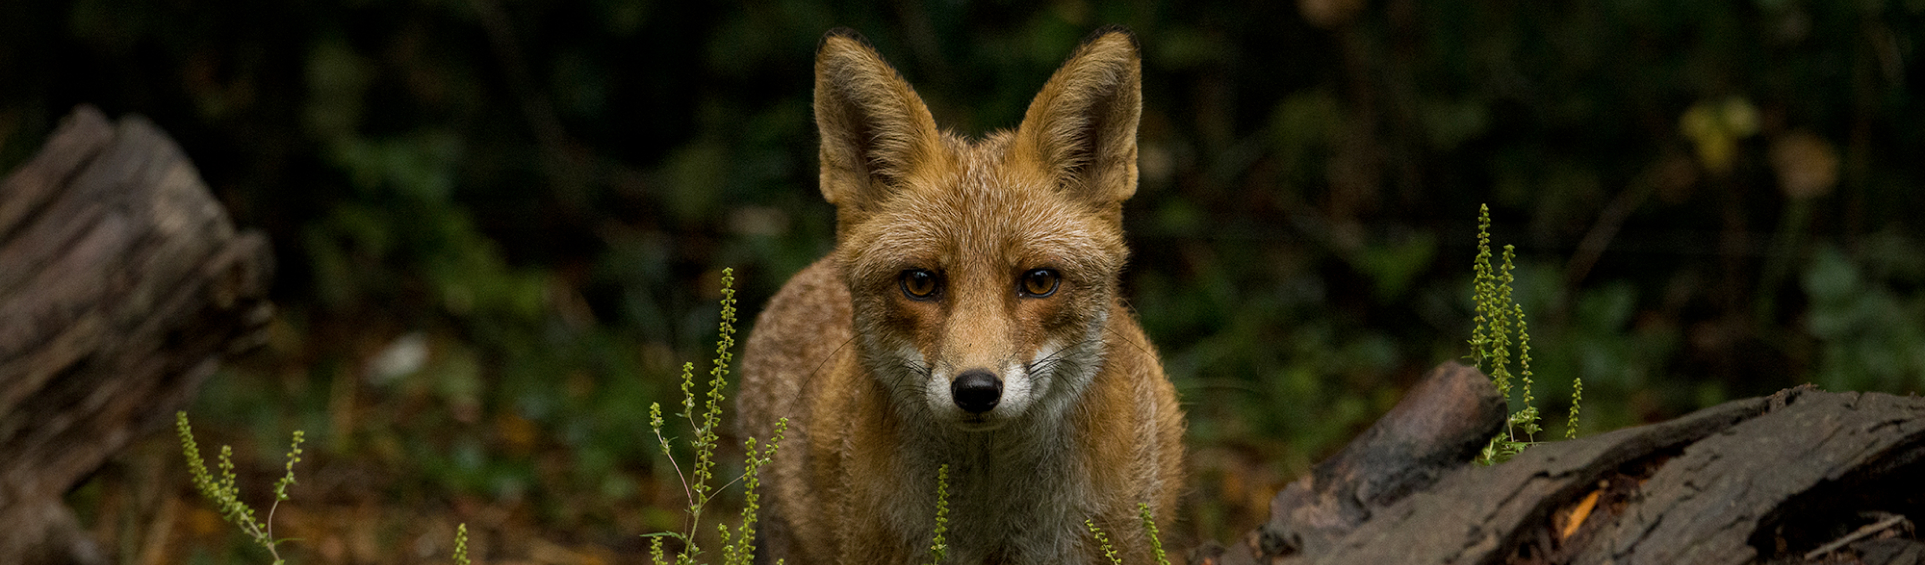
(1021,391)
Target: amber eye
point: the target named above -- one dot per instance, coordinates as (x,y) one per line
(1038,283)
(919,284)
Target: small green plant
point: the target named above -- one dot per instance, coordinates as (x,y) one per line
(225,493)
(1149,530)
(741,548)
(1577,395)
(1149,527)
(1103,541)
(938,547)
(1498,315)
(461,544)
(738,546)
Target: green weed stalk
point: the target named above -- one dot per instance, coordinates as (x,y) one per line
(225,493)
(939,547)
(1149,527)
(1577,394)
(1149,531)
(738,545)
(461,544)
(1103,541)
(1497,318)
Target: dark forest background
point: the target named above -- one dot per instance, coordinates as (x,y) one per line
(500,224)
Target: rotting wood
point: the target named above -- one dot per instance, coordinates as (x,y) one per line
(122,285)
(1759,480)
(1444,420)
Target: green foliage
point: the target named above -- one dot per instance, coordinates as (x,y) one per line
(740,549)
(461,544)
(1497,317)
(1871,332)
(938,547)
(707,434)
(1149,529)
(1103,542)
(738,546)
(1577,395)
(1490,338)
(224,491)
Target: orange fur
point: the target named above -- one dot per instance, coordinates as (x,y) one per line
(1085,426)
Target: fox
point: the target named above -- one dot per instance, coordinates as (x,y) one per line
(969,316)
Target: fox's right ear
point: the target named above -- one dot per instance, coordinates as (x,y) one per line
(874,128)
(1083,124)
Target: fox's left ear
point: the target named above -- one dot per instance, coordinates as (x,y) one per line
(1083,124)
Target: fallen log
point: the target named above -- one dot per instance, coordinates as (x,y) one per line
(122,285)
(1802,476)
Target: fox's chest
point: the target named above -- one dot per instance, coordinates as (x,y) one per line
(1020,511)
(1041,542)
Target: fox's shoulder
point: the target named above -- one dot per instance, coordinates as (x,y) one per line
(804,326)
(811,296)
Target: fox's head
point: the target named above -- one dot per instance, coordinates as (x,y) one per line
(982,272)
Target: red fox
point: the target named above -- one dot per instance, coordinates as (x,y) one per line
(968,316)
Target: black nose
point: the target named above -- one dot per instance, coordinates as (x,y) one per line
(976,391)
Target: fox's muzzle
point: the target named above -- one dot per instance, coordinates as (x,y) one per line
(976,391)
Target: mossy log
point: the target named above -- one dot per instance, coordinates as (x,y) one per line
(1802,476)
(122,285)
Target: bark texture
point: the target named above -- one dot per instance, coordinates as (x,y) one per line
(122,285)
(1802,476)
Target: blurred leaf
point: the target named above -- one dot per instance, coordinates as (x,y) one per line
(1395,266)
(337,79)
(1716,127)
(695,176)
(1451,123)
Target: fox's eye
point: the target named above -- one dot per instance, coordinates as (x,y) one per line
(1038,283)
(919,284)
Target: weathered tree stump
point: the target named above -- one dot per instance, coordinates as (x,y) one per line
(1802,476)
(122,285)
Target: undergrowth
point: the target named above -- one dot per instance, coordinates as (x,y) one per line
(1499,317)
(1149,527)
(738,546)
(1103,541)
(1149,531)
(225,492)
(938,547)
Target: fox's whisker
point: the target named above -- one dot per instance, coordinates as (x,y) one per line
(1126,339)
(1049,362)
(830,357)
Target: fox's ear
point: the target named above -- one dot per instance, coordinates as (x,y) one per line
(874,128)
(1083,124)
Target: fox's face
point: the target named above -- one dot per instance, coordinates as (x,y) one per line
(982,272)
